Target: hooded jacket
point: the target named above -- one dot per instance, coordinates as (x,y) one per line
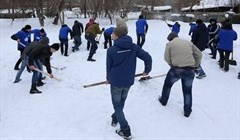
(225,39)
(36,35)
(93,30)
(141,26)
(121,62)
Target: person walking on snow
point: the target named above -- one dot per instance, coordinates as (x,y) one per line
(182,56)
(63,37)
(90,35)
(121,67)
(200,39)
(141,30)
(23,38)
(91,22)
(77,31)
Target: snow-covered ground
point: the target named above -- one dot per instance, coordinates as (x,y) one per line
(66,110)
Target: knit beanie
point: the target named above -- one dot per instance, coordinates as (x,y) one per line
(120,31)
(55,46)
(171,36)
(42,30)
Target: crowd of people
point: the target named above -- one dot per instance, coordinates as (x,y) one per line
(183,57)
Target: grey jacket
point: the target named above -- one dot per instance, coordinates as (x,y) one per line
(182,53)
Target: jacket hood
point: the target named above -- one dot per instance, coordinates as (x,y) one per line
(44,41)
(124,42)
(75,22)
(202,26)
(64,25)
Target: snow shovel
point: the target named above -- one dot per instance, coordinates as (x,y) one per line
(144,78)
(56,68)
(38,70)
(105,82)
(232,62)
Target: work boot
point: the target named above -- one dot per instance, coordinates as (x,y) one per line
(34,89)
(126,134)
(90,59)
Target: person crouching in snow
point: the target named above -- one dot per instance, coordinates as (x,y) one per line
(107,37)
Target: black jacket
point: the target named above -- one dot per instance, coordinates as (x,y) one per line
(39,50)
(77,29)
(200,36)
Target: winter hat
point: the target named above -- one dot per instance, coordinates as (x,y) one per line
(171,36)
(28,27)
(213,20)
(120,31)
(55,46)
(199,21)
(140,17)
(42,30)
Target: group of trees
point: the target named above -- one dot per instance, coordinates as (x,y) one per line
(90,8)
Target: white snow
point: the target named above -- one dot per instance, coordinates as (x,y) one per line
(67,111)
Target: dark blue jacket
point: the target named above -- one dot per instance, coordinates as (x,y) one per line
(175,28)
(36,35)
(77,29)
(225,39)
(63,33)
(200,36)
(24,36)
(109,31)
(121,62)
(193,26)
(141,26)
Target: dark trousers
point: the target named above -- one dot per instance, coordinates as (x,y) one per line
(186,75)
(88,45)
(19,60)
(140,39)
(64,42)
(213,48)
(94,46)
(107,39)
(224,59)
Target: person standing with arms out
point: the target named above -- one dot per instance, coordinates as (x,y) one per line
(38,34)
(213,29)
(63,37)
(225,38)
(91,22)
(23,37)
(90,35)
(175,27)
(107,37)
(77,31)
(141,29)
(121,67)
(200,39)
(182,56)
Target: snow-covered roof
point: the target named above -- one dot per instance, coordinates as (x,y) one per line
(161,8)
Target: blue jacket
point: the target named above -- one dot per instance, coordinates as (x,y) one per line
(109,31)
(24,37)
(193,26)
(141,26)
(63,33)
(121,62)
(36,35)
(225,39)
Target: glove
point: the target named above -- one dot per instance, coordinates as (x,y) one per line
(103,29)
(97,42)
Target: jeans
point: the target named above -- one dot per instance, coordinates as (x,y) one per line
(142,38)
(36,75)
(94,46)
(200,71)
(119,95)
(19,60)
(77,41)
(213,49)
(65,43)
(186,75)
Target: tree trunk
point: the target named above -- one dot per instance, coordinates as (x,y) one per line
(39,10)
